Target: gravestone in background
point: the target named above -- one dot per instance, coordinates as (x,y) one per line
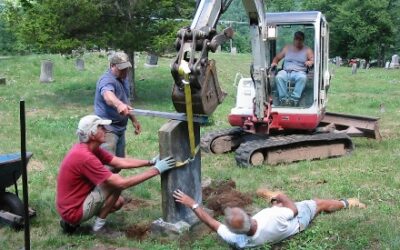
(395,62)
(46,71)
(80,64)
(2,80)
(338,61)
(151,61)
(387,65)
(354,68)
(233,51)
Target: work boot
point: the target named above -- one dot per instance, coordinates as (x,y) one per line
(68,228)
(284,102)
(107,232)
(354,202)
(267,194)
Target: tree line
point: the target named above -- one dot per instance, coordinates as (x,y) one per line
(366,29)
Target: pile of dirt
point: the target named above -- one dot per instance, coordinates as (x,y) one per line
(138,231)
(222,194)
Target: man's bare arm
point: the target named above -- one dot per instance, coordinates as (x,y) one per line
(310,58)
(286,202)
(126,163)
(117,181)
(199,211)
(279,56)
(112,100)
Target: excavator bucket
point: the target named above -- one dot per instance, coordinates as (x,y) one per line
(206,92)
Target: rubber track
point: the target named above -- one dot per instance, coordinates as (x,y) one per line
(208,138)
(246,149)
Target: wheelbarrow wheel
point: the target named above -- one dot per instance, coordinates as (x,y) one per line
(11,203)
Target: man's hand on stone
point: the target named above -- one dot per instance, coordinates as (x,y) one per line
(165,164)
(183,198)
(124,109)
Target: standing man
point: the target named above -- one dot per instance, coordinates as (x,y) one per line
(85,188)
(112,102)
(271,225)
(298,58)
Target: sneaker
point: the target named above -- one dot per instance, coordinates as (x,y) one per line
(68,228)
(354,202)
(267,194)
(107,232)
(284,102)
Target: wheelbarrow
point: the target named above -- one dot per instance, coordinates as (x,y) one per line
(11,206)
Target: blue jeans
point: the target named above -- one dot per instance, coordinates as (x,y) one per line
(298,77)
(115,144)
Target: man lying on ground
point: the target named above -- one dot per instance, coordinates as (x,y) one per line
(271,225)
(86,188)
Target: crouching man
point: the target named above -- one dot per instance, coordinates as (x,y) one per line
(86,188)
(271,225)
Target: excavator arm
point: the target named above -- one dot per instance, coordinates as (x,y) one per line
(192,65)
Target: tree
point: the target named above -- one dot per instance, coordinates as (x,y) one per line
(358,28)
(60,26)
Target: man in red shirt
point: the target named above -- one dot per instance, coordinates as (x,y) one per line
(86,188)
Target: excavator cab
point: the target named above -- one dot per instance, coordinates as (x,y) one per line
(315,29)
(307,113)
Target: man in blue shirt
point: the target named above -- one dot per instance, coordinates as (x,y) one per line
(111,102)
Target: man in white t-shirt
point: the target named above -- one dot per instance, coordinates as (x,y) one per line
(271,225)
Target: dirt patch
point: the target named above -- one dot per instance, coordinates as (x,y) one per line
(222,194)
(138,231)
(132,204)
(102,247)
(34,165)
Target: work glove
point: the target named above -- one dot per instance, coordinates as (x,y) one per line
(165,164)
(154,160)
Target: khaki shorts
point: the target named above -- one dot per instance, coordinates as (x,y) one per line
(93,203)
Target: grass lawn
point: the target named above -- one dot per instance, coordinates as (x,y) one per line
(370,173)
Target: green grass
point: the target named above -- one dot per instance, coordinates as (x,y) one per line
(53,111)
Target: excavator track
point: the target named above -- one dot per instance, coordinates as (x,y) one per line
(222,141)
(291,148)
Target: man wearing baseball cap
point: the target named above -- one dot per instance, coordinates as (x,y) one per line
(86,188)
(112,102)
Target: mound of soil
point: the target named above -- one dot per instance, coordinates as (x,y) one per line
(222,194)
(138,231)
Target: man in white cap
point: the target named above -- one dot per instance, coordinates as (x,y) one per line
(112,102)
(86,188)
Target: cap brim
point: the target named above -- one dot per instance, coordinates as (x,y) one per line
(124,65)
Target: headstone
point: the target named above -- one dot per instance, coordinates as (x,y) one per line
(2,80)
(395,62)
(174,141)
(219,49)
(387,64)
(151,61)
(46,71)
(368,65)
(362,64)
(354,68)
(80,64)
(338,61)
(233,51)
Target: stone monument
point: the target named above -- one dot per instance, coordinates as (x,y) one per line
(151,61)
(46,71)
(233,50)
(174,141)
(387,64)
(354,68)
(395,62)
(338,59)
(80,64)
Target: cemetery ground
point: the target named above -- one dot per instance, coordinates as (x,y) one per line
(371,172)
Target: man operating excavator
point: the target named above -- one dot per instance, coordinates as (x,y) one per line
(298,58)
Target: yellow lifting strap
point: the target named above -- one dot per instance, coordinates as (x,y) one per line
(189,114)
(184,71)
(183,163)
